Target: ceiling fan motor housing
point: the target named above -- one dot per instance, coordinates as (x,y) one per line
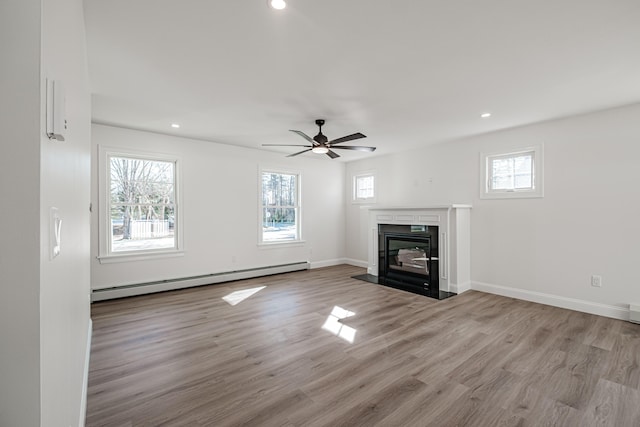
(320,138)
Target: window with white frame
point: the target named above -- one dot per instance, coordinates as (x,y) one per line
(364,188)
(140,208)
(512,175)
(280,206)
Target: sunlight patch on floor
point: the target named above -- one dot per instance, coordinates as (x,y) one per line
(337,328)
(238,296)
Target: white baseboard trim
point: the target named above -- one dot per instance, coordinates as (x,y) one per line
(614,311)
(327,263)
(85,377)
(460,288)
(338,261)
(188,282)
(356,262)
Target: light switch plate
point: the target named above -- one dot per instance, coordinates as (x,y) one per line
(55,229)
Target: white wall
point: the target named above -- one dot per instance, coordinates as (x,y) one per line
(65,178)
(220,209)
(44,306)
(19,188)
(586,224)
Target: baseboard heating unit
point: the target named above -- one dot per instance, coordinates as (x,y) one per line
(188,282)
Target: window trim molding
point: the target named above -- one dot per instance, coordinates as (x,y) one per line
(273,244)
(538,174)
(354,177)
(105,255)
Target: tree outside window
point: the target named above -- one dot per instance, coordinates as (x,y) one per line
(364,188)
(280,210)
(512,175)
(142,208)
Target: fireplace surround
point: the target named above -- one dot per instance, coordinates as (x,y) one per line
(441,233)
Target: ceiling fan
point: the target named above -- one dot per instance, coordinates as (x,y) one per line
(320,144)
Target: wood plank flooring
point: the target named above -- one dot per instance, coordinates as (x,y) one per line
(317,348)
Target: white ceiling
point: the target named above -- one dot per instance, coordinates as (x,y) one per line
(405,73)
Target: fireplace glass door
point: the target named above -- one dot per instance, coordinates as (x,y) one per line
(408,257)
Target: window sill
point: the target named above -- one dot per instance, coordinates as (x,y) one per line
(370,201)
(273,245)
(512,195)
(139,256)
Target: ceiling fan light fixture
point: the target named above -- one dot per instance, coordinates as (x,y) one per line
(320,144)
(320,149)
(277,4)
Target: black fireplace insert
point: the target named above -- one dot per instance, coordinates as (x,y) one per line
(408,258)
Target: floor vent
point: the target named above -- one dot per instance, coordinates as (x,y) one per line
(188,282)
(634,313)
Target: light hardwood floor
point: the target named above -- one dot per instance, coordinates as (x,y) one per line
(189,358)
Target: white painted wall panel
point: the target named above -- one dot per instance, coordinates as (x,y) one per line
(65,184)
(19,189)
(220,202)
(44,305)
(585,224)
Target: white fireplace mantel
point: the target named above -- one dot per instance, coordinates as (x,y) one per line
(454,229)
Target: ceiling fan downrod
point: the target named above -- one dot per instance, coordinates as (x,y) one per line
(320,138)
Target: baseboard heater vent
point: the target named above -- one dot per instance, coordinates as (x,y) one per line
(634,313)
(188,282)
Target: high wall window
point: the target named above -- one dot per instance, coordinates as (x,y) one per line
(280,210)
(512,175)
(140,209)
(364,188)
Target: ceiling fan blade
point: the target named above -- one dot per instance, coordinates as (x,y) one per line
(347,138)
(284,145)
(299,152)
(304,135)
(332,154)
(356,147)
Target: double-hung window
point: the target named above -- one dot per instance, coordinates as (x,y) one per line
(280,206)
(512,175)
(140,209)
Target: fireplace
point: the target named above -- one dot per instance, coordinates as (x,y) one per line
(409,258)
(441,232)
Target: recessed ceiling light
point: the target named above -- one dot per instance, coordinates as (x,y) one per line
(277,4)
(485,115)
(175,125)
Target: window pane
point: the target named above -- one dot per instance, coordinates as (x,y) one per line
(364,187)
(512,173)
(279,189)
(142,211)
(280,207)
(142,181)
(279,224)
(523,171)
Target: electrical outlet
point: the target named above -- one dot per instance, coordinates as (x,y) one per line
(596,281)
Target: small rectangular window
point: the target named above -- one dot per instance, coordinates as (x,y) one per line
(280,211)
(364,188)
(517,174)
